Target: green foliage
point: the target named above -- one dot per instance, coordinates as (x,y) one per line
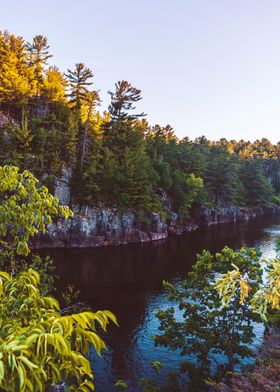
(277,243)
(120,384)
(259,190)
(186,190)
(203,328)
(171,384)
(38,345)
(236,282)
(25,208)
(14,264)
(222,177)
(157,366)
(78,83)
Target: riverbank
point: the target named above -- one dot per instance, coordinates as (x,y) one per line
(100,226)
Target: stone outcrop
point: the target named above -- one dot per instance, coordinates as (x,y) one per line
(101,226)
(62,188)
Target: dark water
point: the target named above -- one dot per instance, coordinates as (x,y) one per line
(128,281)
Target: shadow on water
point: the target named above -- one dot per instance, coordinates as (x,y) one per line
(128,281)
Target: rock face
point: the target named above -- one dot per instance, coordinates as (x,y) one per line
(207,216)
(101,226)
(62,186)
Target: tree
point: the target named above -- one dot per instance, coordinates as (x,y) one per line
(258,190)
(16,77)
(122,101)
(201,328)
(120,131)
(38,57)
(222,177)
(78,84)
(23,138)
(124,174)
(25,208)
(186,190)
(54,85)
(236,282)
(91,101)
(38,345)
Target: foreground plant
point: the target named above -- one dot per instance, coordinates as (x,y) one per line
(25,207)
(199,327)
(266,299)
(39,346)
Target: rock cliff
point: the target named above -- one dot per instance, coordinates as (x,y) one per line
(101,226)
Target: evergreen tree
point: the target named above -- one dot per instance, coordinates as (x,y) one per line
(122,101)
(38,55)
(91,101)
(54,85)
(124,174)
(119,131)
(79,80)
(258,189)
(16,77)
(222,178)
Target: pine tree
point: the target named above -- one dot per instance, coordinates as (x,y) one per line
(258,189)
(91,101)
(119,132)
(38,57)
(222,177)
(78,84)
(16,78)
(54,85)
(122,101)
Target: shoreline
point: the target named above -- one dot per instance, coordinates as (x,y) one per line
(94,227)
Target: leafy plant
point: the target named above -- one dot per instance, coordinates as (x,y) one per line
(25,208)
(235,282)
(201,328)
(121,384)
(40,346)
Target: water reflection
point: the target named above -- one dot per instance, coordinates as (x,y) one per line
(128,281)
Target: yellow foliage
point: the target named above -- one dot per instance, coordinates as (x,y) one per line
(38,346)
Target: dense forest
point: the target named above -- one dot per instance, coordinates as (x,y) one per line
(51,119)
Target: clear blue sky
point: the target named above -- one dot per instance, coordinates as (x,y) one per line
(207,67)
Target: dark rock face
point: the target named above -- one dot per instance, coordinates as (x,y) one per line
(101,226)
(207,216)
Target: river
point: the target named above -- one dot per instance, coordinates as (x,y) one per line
(128,281)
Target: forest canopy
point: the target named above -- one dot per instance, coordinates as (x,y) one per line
(50,119)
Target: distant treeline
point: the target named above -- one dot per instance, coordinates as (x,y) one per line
(49,119)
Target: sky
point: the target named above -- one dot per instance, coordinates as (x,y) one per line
(206,67)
